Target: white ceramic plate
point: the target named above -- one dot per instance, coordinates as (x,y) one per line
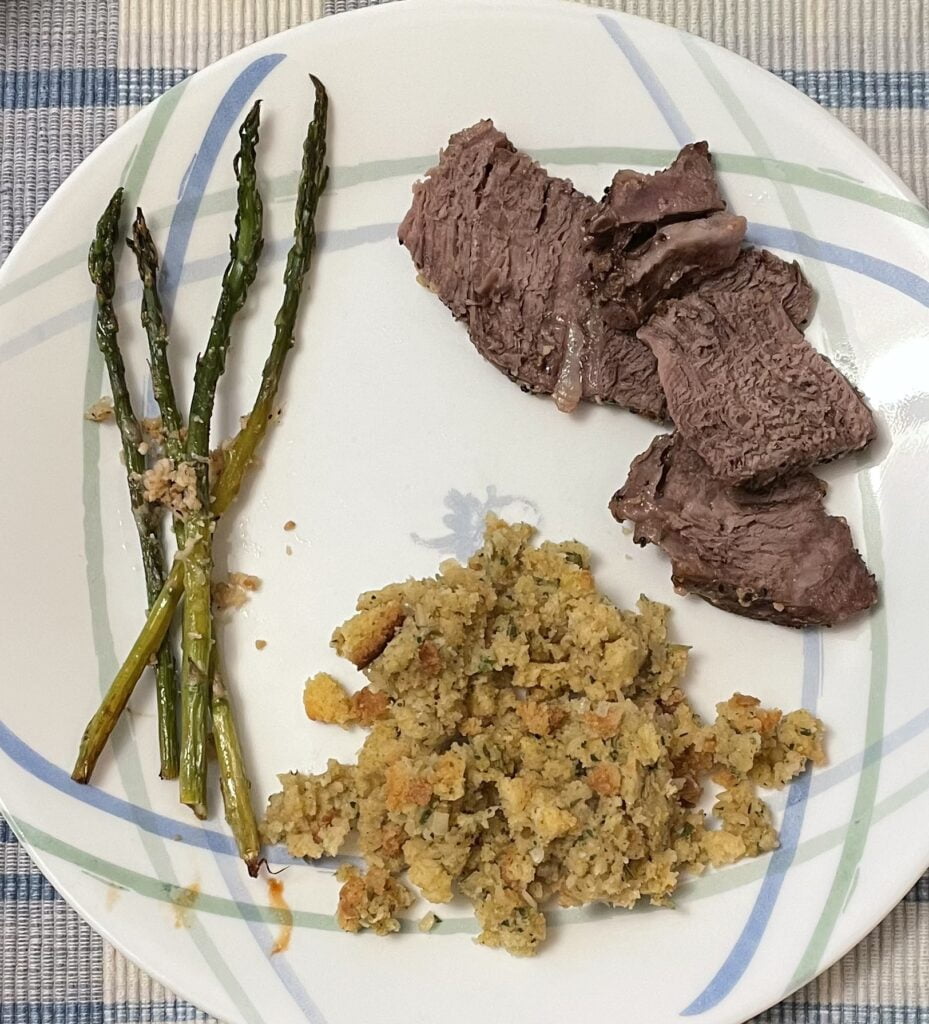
(396,439)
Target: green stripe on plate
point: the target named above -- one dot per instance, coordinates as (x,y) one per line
(282,189)
(128,763)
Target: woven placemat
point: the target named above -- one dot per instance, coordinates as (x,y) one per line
(71,70)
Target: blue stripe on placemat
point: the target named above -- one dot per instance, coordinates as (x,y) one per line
(107,86)
(791,1012)
(85,87)
(97,1012)
(149,1013)
(35,88)
(26,885)
(853,87)
(135,86)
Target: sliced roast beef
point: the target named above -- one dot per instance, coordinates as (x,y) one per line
(502,243)
(762,273)
(747,391)
(658,235)
(675,258)
(772,554)
(620,368)
(685,189)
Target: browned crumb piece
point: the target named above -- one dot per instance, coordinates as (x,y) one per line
(325,700)
(290,525)
(313,814)
(370,900)
(234,590)
(100,411)
(405,790)
(366,634)
(260,645)
(226,596)
(172,486)
(369,705)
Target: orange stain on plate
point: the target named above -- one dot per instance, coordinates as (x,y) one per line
(283,914)
(184,900)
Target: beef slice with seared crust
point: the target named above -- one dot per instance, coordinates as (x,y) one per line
(676,258)
(747,391)
(774,554)
(503,244)
(658,235)
(687,188)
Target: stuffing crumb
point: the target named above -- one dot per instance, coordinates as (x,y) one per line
(369,705)
(313,814)
(260,645)
(153,428)
(290,525)
(217,463)
(370,900)
(366,634)
(101,410)
(288,550)
(143,447)
(232,593)
(530,744)
(172,486)
(325,700)
(428,921)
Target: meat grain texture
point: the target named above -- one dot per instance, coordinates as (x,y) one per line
(748,392)
(502,243)
(530,744)
(772,554)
